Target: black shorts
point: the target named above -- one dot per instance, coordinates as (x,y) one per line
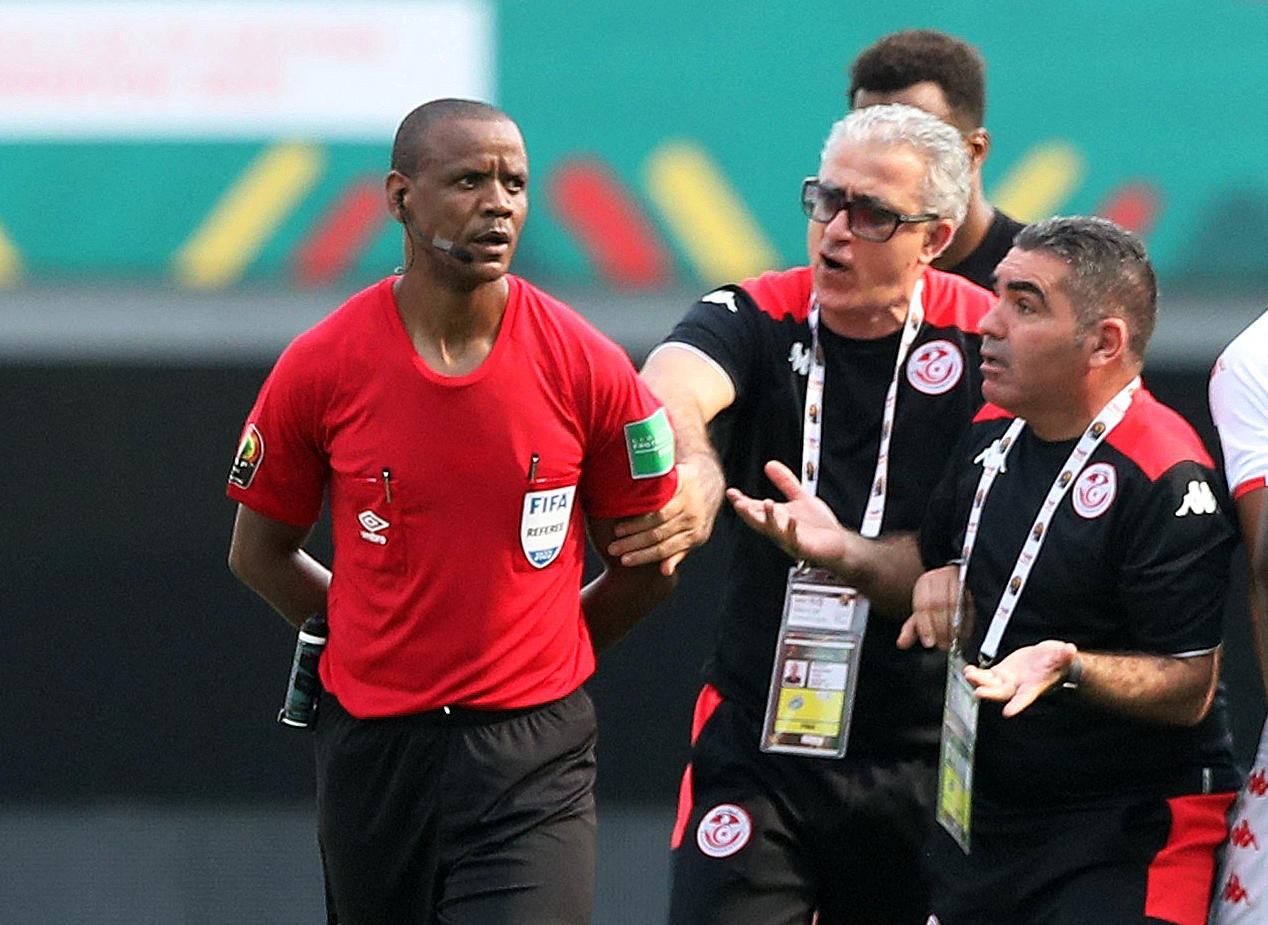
(466,816)
(1123,862)
(769,839)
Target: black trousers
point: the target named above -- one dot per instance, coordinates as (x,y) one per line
(776,839)
(464,816)
(1121,861)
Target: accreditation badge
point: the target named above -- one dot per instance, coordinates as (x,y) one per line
(955,764)
(812,683)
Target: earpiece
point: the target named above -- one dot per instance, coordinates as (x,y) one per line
(444,245)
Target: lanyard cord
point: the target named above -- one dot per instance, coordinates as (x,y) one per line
(812,422)
(993,461)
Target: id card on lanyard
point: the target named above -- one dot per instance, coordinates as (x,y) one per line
(815,671)
(960,705)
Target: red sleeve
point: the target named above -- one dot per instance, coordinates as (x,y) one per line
(623,473)
(281,469)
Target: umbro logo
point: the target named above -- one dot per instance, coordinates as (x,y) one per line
(373,526)
(1198,499)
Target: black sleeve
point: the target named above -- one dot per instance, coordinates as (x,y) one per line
(726,326)
(942,531)
(1177,551)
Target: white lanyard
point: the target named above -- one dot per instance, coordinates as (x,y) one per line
(812,423)
(992,464)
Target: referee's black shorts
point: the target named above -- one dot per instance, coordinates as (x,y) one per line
(767,839)
(458,818)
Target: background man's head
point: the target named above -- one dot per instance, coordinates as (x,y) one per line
(920,67)
(1110,274)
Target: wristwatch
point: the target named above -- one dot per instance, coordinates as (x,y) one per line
(1073,674)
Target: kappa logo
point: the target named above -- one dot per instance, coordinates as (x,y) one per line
(1234,892)
(993,456)
(1199,499)
(1094,492)
(1242,836)
(936,367)
(722,297)
(724,830)
(799,359)
(372,527)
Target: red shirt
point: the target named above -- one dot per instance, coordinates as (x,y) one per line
(437,503)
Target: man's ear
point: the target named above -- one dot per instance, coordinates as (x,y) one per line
(395,186)
(1110,341)
(978,143)
(938,235)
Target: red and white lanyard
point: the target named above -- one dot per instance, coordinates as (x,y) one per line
(993,460)
(812,423)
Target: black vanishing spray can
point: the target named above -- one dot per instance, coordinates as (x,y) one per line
(304,686)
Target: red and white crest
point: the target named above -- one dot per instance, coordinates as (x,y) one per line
(1094,491)
(935,367)
(724,830)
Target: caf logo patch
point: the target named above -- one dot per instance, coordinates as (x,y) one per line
(724,830)
(250,454)
(1094,492)
(935,367)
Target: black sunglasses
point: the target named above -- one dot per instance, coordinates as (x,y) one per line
(867,219)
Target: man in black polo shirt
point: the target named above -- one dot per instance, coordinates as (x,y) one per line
(1087,522)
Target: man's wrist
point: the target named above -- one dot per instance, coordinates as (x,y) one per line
(1073,675)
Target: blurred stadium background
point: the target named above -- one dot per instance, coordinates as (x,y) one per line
(186,185)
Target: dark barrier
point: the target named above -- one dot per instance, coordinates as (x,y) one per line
(135,666)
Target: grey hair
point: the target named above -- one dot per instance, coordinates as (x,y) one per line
(1110,274)
(944,189)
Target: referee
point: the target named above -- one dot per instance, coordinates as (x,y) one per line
(467,429)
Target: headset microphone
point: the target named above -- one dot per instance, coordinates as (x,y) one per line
(444,245)
(457,253)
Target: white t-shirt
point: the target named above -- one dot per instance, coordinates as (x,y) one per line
(1239,407)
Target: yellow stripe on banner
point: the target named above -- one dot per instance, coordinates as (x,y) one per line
(248,213)
(10,260)
(719,236)
(1038,185)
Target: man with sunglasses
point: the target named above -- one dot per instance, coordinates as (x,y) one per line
(946,77)
(860,372)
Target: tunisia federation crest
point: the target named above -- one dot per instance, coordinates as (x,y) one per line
(724,830)
(935,367)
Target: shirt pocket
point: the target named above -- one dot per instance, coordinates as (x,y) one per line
(374,532)
(547,511)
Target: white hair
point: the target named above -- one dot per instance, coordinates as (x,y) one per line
(944,190)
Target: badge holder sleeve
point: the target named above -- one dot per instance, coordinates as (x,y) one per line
(815,671)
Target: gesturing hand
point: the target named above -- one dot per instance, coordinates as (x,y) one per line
(803,526)
(1023,676)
